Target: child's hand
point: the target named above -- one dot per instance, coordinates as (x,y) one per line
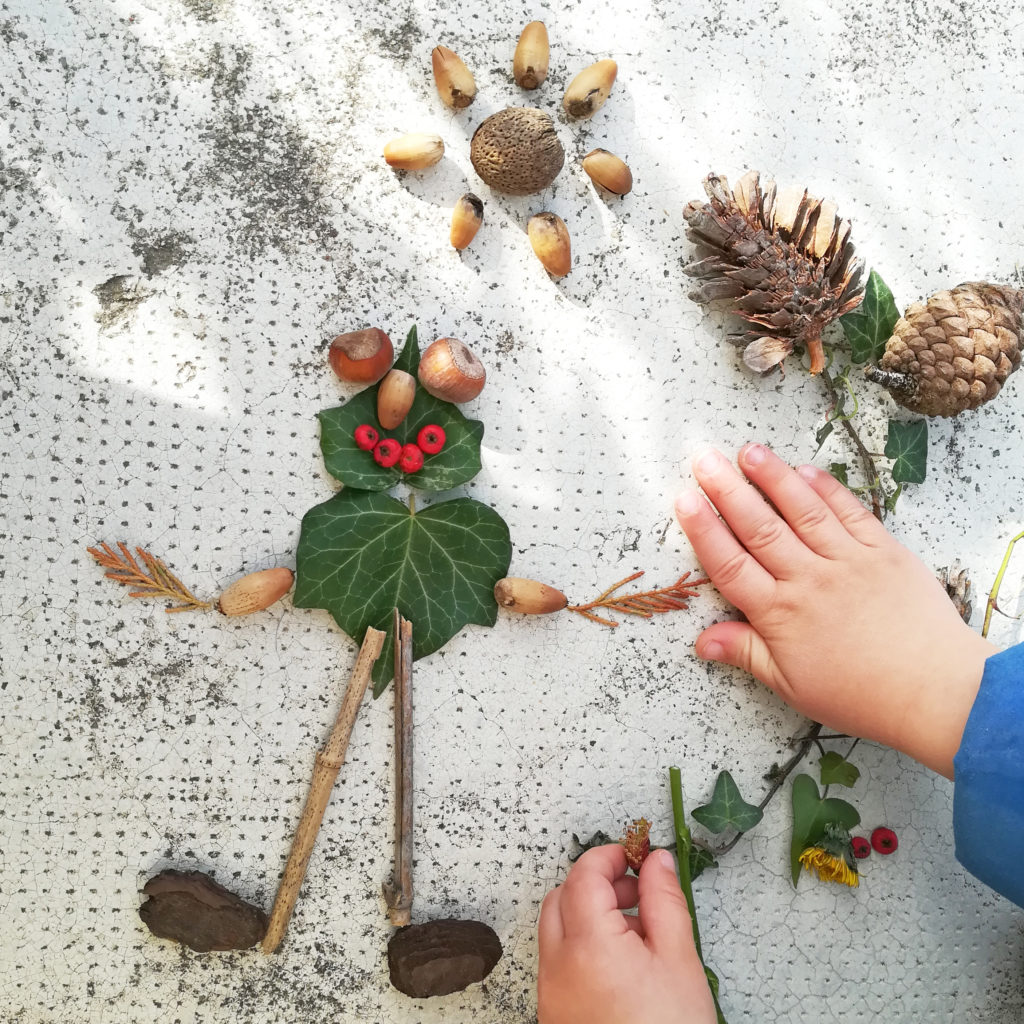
(844,623)
(598,966)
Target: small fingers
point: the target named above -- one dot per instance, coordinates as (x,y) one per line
(855,518)
(589,900)
(740,645)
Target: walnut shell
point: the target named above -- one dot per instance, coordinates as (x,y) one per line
(517,151)
(440,957)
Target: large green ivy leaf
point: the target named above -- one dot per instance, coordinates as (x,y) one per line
(811,815)
(727,808)
(907,445)
(361,554)
(456,463)
(837,771)
(871,324)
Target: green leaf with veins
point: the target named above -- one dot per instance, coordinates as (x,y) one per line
(871,324)
(361,554)
(456,463)
(839,471)
(727,808)
(907,445)
(701,858)
(837,771)
(812,813)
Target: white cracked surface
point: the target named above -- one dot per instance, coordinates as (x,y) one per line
(193,203)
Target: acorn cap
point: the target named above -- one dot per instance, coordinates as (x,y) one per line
(517,151)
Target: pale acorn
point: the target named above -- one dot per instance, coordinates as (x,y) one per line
(590,88)
(530,597)
(455,83)
(414,152)
(257,591)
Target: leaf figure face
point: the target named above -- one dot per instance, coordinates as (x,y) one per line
(361,554)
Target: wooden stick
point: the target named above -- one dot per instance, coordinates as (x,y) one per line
(328,764)
(398,892)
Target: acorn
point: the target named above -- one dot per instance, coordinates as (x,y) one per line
(608,171)
(395,397)
(454,81)
(590,88)
(256,591)
(528,596)
(450,371)
(467,217)
(530,61)
(414,152)
(361,357)
(517,151)
(550,240)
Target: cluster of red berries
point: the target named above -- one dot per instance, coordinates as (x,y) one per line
(883,840)
(387,452)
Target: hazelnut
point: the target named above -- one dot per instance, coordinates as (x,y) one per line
(362,357)
(451,372)
(517,151)
(550,240)
(454,81)
(590,88)
(530,61)
(395,397)
(467,217)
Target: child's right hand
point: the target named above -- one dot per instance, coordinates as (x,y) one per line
(844,623)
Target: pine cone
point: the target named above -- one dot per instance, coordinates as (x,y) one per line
(784,257)
(955,351)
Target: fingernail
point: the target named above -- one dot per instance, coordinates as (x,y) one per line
(665,859)
(809,473)
(711,651)
(707,461)
(755,454)
(688,504)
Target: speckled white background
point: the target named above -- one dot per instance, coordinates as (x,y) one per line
(193,204)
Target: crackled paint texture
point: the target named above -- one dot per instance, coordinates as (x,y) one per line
(193,203)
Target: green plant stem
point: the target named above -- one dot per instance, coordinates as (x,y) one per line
(991,605)
(683,843)
(874,484)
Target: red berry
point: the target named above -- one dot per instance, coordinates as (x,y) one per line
(431,439)
(366,437)
(411,459)
(387,452)
(884,840)
(861,847)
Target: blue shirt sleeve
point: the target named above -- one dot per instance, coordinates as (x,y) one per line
(988,774)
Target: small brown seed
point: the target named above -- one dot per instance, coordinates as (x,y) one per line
(395,397)
(530,61)
(256,591)
(454,81)
(414,152)
(528,596)
(550,240)
(608,171)
(590,88)
(467,217)
(450,371)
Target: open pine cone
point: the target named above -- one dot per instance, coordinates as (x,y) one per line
(785,259)
(955,351)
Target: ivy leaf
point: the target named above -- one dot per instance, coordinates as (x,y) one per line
(811,815)
(701,858)
(907,444)
(839,471)
(727,808)
(362,554)
(871,324)
(837,771)
(456,463)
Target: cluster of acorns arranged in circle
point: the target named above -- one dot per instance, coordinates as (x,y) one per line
(516,150)
(388,452)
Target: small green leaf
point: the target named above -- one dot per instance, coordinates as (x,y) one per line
(362,554)
(839,471)
(456,463)
(812,815)
(907,445)
(701,858)
(871,324)
(837,771)
(727,808)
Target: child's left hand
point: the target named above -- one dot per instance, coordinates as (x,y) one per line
(600,966)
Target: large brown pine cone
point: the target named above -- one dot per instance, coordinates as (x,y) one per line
(955,351)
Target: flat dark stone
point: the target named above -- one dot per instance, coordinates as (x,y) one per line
(191,908)
(440,957)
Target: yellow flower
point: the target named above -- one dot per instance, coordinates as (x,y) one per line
(828,867)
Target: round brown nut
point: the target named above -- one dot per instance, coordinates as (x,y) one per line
(450,371)
(517,151)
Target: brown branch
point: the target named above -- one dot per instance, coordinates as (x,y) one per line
(156,580)
(646,603)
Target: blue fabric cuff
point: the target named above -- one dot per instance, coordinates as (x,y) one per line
(988,772)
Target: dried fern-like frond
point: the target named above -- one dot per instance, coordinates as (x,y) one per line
(156,580)
(645,603)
